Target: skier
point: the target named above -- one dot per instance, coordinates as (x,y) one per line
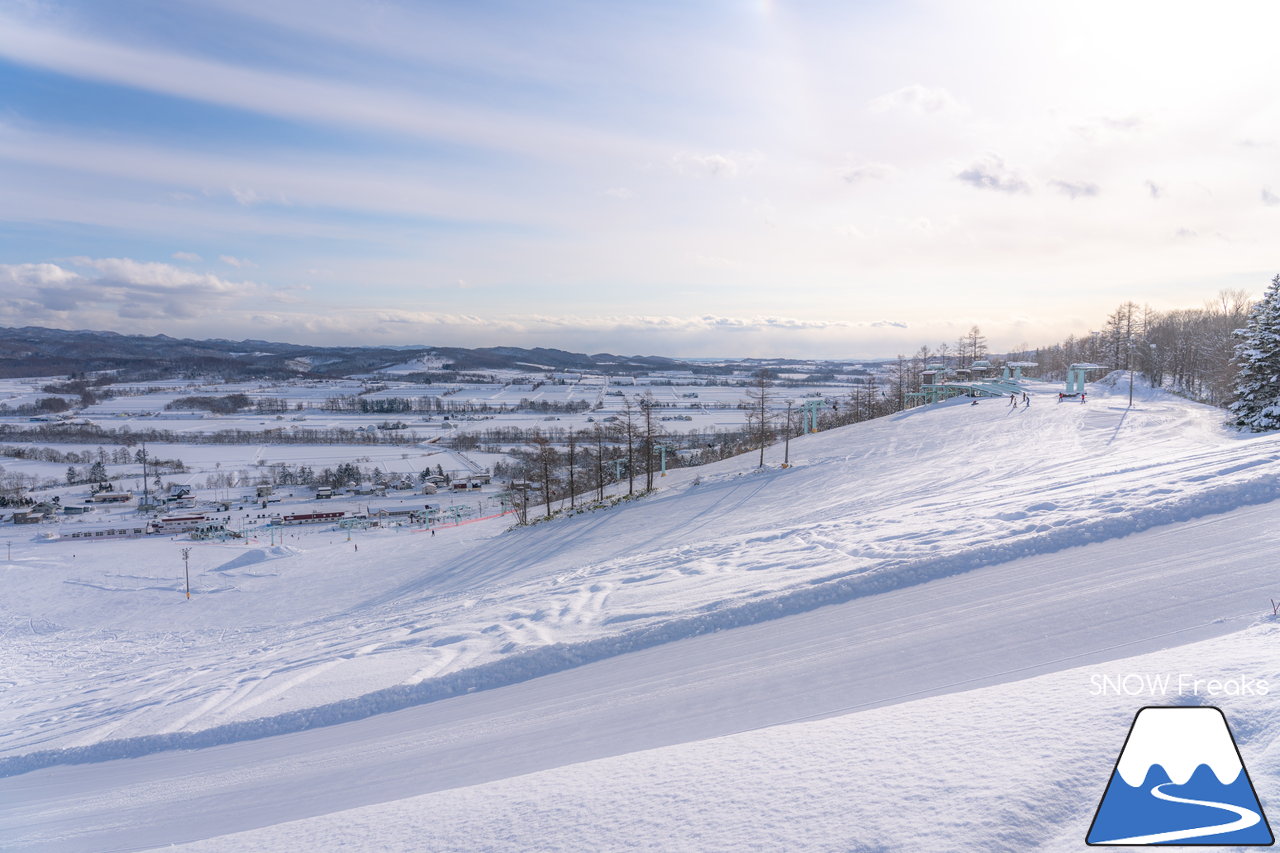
(1026,401)
(1013,400)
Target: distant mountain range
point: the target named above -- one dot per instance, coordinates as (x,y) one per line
(36,351)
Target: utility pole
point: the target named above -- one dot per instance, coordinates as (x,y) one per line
(786,445)
(186,568)
(146,496)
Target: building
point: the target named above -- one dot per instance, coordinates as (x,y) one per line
(411,515)
(309,518)
(132,531)
(323,493)
(177,523)
(112,497)
(30,516)
(213,530)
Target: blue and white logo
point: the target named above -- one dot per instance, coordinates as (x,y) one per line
(1180,780)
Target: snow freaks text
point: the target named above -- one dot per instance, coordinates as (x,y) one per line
(1174,684)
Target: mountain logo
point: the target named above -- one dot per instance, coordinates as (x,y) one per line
(1180,780)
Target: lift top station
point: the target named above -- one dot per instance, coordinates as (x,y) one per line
(940,382)
(1075,381)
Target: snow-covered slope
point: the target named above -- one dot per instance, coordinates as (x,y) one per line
(103,646)
(947,548)
(1019,767)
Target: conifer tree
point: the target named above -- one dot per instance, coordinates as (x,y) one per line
(1257,404)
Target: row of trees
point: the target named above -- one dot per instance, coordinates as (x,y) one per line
(567,465)
(630,449)
(1190,351)
(90,433)
(433,405)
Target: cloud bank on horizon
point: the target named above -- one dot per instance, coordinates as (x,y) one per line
(747,178)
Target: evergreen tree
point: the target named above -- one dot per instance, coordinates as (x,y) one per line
(1257,404)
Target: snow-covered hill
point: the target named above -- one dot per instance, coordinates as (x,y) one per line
(940,550)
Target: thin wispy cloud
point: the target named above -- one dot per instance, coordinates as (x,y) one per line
(292,95)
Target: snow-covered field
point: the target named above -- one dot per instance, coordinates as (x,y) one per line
(141,405)
(946,549)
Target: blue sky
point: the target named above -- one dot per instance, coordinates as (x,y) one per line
(747,178)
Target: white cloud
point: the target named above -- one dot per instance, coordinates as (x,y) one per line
(191,257)
(246,197)
(1106,128)
(238,263)
(35,275)
(1269,198)
(121,287)
(862,172)
(713,165)
(715,262)
(1156,191)
(918,99)
(990,173)
(1075,189)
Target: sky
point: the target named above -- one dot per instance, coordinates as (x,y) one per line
(720,178)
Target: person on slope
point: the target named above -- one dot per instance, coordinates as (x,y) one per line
(1013,400)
